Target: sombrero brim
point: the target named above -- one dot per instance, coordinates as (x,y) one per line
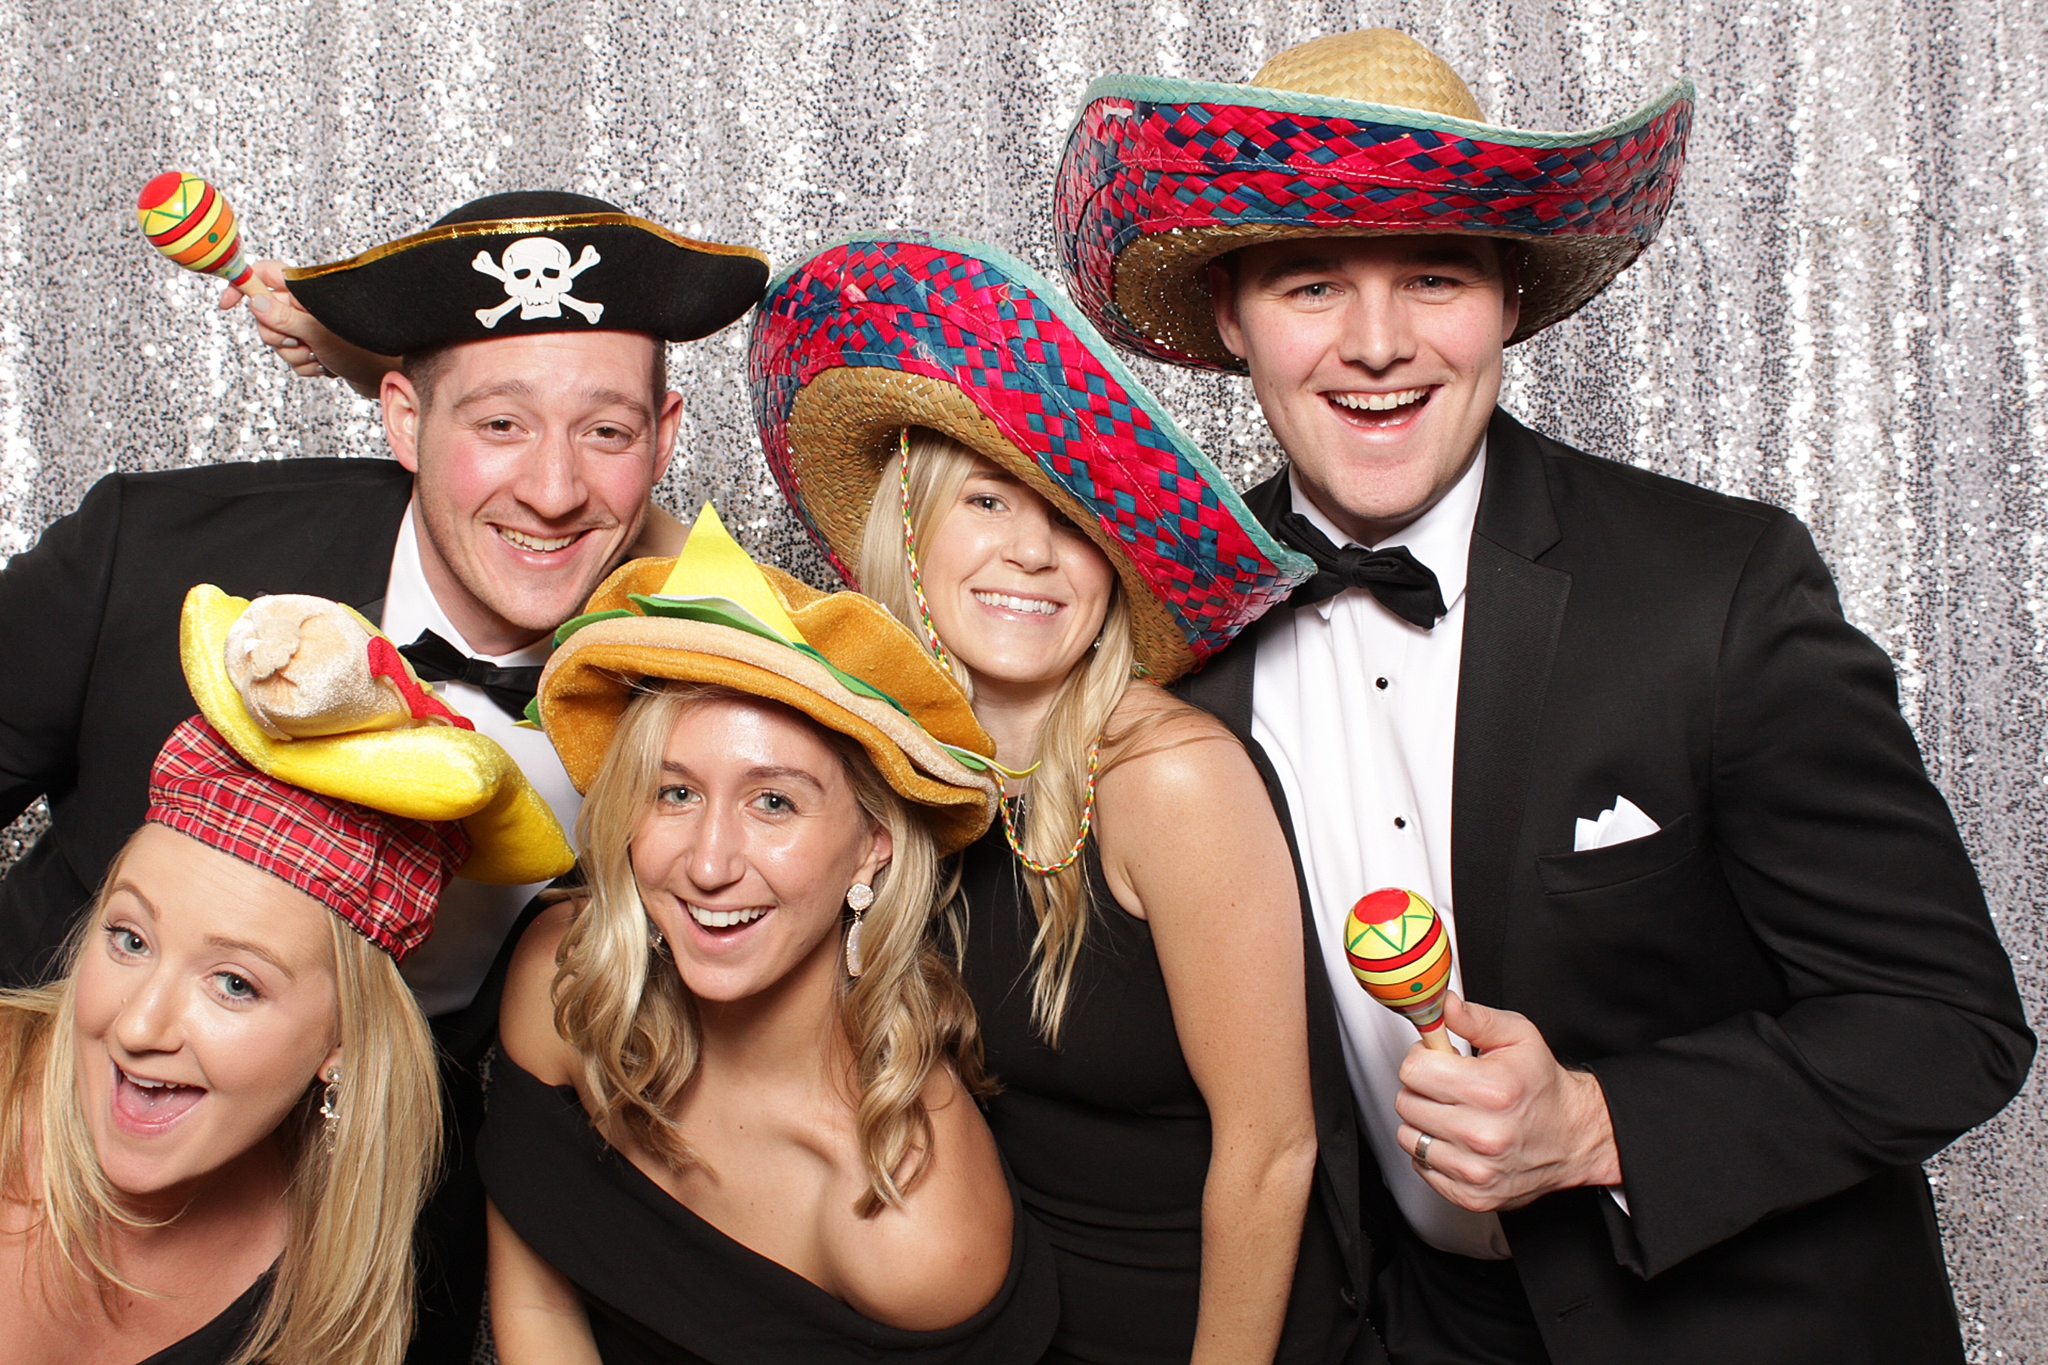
(1161,177)
(881,333)
(590,679)
(428,290)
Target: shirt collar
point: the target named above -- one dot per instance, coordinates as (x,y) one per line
(1440,538)
(411,607)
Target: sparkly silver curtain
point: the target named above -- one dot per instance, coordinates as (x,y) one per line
(1844,315)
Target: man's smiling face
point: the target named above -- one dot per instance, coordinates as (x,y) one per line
(533,457)
(1377,361)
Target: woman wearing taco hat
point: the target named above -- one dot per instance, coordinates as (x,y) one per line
(218,1126)
(733,1116)
(967,448)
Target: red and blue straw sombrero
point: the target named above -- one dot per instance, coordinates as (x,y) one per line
(886,332)
(1356,133)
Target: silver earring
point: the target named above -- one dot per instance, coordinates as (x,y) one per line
(859,897)
(330,1107)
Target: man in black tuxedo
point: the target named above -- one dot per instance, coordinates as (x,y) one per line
(1727,975)
(527,442)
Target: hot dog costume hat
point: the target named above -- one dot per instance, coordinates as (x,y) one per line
(320,758)
(712,615)
(531,262)
(1353,134)
(886,332)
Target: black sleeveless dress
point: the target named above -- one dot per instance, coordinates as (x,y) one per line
(664,1287)
(1109,1135)
(217,1340)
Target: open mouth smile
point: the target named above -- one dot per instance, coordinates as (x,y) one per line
(1380,409)
(537,545)
(1023,606)
(724,923)
(147,1107)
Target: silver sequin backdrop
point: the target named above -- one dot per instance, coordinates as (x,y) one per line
(1844,314)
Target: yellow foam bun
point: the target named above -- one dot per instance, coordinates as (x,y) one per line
(427,772)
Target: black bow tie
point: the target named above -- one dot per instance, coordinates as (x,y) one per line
(1403,583)
(435,660)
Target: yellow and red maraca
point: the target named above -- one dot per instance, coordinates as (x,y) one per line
(191,222)
(1400,953)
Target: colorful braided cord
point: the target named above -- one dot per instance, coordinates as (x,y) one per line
(1080,839)
(924,611)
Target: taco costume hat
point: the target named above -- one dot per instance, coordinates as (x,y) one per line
(712,615)
(319,757)
(1352,134)
(531,262)
(886,332)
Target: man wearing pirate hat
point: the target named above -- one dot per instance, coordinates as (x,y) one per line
(530,418)
(1727,975)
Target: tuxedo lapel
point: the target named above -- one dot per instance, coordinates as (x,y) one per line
(1514,608)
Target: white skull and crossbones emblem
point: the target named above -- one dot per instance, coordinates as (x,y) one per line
(537,277)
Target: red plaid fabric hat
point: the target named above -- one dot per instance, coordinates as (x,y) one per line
(383,874)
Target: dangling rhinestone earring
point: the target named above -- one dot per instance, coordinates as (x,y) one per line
(859,897)
(330,1107)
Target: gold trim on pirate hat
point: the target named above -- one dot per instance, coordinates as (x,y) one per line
(538,261)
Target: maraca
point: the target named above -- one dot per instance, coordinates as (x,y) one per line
(1400,953)
(191,222)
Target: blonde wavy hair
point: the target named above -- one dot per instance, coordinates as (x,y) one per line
(1057,790)
(624,1008)
(343,1293)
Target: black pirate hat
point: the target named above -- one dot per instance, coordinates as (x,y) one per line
(540,261)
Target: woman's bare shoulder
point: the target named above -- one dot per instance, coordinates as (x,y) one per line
(942,1256)
(1158,743)
(526,1013)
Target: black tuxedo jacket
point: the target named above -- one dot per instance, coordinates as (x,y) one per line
(92,685)
(1792,993)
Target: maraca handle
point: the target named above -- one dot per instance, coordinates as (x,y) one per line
(255,287)
(1438,1040)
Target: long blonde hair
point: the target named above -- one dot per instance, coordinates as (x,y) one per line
(343,1294)
(625,1009)
(1057,789)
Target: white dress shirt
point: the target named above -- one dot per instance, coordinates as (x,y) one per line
(447,969)
(1358,710)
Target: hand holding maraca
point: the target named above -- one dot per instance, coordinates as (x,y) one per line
(193,224)
(1497,1129)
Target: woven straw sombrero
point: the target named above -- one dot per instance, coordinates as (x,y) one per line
(712,615)
(1354,134)
(887,332)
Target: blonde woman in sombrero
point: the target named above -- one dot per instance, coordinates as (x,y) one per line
(972,453)
(218,1125)
(733,1115)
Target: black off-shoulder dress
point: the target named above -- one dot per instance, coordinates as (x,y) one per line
(664,1287)
(217,1340)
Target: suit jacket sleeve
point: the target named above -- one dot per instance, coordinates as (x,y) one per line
(1905,1026)
(52,602)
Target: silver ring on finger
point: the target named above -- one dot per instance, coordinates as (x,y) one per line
(1422,1151)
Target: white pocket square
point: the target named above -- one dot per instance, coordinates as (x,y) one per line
(1618,824)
